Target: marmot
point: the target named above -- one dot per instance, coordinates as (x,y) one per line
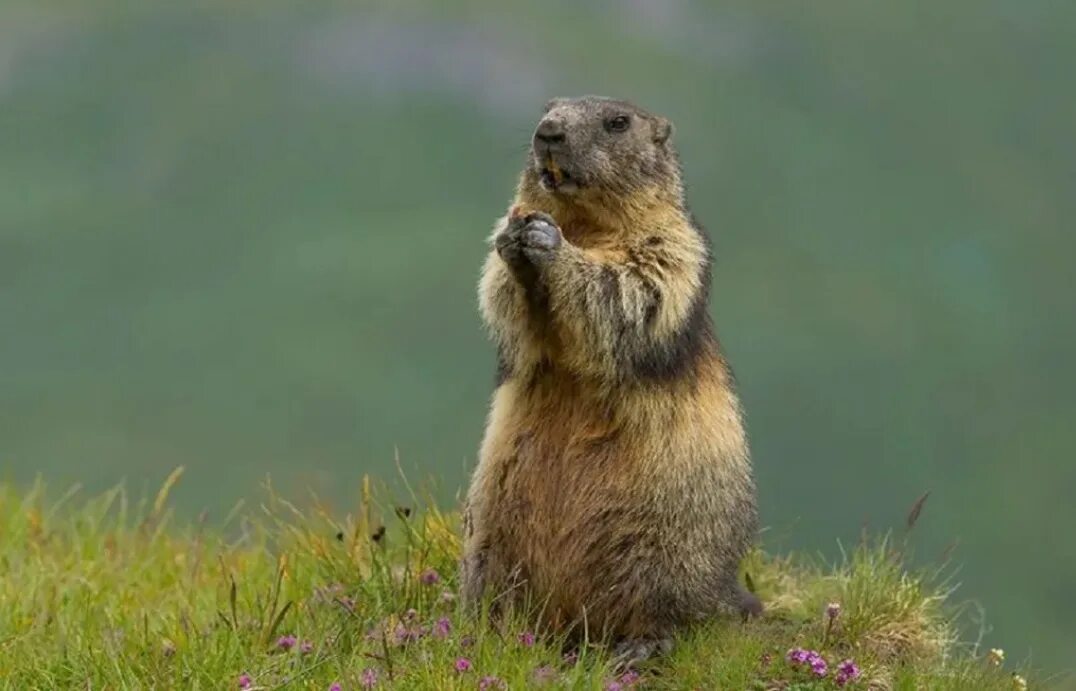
(614,487)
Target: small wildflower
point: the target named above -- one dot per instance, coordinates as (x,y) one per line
(488,683)
(306,647)
(833,610)
(996,656)
(442,628)
(526,639)
(335,686)
(245,681)
(1019,683)
(408,634)
(544,674)
(797,655)
(846,671)
(463,665)
(286,643)
(811,658)
(430,577)
(368,679)
(629,678)
(614,686)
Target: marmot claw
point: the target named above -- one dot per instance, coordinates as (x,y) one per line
(533,237)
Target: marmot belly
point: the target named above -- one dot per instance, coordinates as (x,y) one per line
(598,502)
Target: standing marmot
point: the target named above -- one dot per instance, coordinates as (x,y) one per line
(614,486)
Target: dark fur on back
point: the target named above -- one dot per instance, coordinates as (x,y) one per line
(679,355)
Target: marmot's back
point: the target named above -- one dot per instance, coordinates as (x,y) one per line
(613,482)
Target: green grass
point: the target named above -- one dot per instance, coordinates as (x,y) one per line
(99,593)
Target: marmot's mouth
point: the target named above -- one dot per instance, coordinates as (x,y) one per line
(557,179)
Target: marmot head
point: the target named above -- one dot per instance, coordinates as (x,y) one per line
(600,145)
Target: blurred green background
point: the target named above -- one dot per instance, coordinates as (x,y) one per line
(245,237)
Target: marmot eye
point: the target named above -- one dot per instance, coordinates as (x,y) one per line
(618,123)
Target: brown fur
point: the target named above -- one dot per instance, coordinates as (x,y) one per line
(614,486)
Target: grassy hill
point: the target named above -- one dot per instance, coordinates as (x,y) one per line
(244,237)
(103,592)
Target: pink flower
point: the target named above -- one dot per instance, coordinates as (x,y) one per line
(306,647)
(245,681)
(286,643)
(336,686)
(817,663)
(797,655)
(526,639)
(463,665)
(368,678)
(811,658)
(430,577)
(442,628)
(846,671)
(488,683)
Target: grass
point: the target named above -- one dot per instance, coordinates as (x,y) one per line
(98,593)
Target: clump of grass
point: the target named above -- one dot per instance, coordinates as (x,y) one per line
(100,593)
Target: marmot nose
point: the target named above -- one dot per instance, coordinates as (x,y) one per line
(550,132)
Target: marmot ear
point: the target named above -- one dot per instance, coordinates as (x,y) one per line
(663,130)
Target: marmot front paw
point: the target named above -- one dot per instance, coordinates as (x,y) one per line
(532,238)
